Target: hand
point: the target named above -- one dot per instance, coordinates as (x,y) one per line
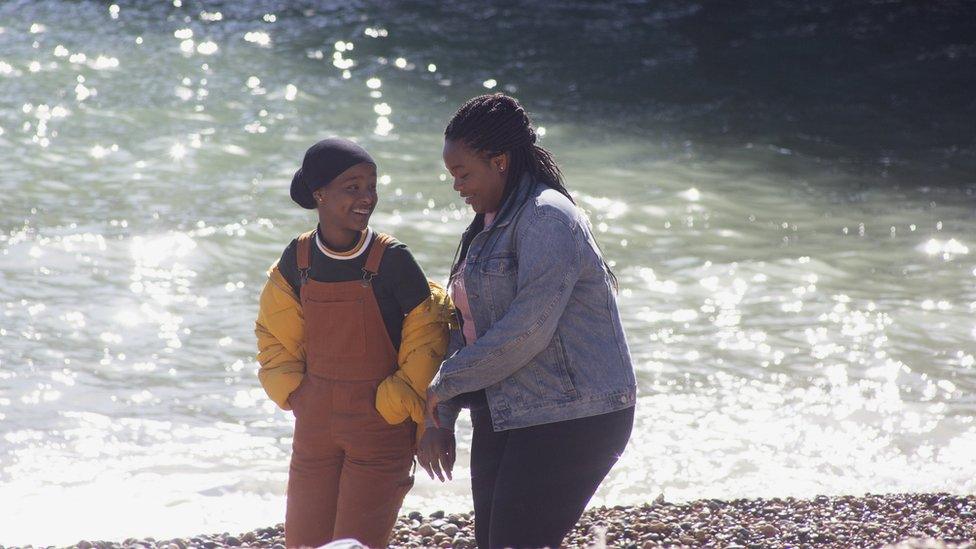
(436,452)
(432,402)
(290,399)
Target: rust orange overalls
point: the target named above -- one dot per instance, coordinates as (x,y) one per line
(349,468)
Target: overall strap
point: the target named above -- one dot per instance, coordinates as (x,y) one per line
(304,255)
(372,266)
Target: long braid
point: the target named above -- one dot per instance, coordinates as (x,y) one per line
(496,124)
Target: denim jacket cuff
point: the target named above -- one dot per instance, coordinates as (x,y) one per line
(440,386)
(447,413)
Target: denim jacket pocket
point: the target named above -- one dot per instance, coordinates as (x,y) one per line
(548,377)
(561,361)
(499,283)
(499,265)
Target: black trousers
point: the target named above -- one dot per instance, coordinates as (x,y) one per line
(531,485)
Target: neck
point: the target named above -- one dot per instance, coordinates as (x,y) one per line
(337,238)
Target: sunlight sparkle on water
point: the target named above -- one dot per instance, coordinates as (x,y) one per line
(260,38)
(290,92)
(383,126)
(101,152)
(152,251)
(177,151)
(207,48)
(103,62)
(948,248)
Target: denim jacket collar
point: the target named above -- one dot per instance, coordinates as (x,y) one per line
(515,201)
(510,208)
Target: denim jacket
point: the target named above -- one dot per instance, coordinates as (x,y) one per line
(550,344)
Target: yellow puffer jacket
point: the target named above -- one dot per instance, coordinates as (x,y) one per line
(281,353)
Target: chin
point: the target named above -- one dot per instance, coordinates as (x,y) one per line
(357,225)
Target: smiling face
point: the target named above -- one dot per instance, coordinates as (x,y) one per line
(347,202)
(478,178)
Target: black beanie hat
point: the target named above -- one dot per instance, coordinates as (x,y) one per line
(322,163)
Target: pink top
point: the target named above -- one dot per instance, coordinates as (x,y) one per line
(460,296)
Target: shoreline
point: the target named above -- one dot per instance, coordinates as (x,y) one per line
(912,520)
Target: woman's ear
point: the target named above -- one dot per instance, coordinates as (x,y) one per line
(500,162)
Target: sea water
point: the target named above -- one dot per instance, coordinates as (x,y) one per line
(793,246)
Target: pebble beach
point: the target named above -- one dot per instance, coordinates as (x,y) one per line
(904,521)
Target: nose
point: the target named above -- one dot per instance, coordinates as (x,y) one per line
(457,185)
(369,198)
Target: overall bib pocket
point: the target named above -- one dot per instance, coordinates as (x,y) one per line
(339,331)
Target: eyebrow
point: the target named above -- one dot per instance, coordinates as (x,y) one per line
(355,176)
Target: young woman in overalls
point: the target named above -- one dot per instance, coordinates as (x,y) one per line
(541,359)
(349,333)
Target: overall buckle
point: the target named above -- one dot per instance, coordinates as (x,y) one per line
(368,277)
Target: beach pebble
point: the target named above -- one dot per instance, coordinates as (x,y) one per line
(659,528)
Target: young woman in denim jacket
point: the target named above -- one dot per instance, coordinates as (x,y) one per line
(540,358)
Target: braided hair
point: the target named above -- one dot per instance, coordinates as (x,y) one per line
(496,124)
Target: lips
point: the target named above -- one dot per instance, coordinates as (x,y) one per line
(362,211)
